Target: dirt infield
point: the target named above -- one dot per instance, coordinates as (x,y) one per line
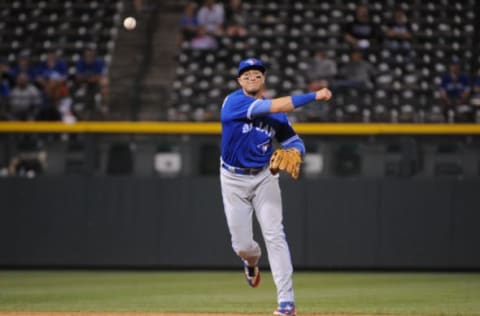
(119,314)
(153,314)
(116,314)
(110,314)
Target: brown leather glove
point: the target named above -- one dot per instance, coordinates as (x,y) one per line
(288,160)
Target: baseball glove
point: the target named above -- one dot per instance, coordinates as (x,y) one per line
(288,160)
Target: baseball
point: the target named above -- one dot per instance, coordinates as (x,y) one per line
(129,23)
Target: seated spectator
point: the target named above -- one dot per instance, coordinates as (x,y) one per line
(58,104)
(25,100)
(357,73)
(211,17)
(361,33)
(188,23)
(4,93)
(52,65)
(4,87)
(455,86)
(6,73)
(398,33)
(91,78)
(203,40)
(235,19)
(23,65)
(455,89)
(321,71)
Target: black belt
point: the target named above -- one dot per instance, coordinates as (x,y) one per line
(238,170)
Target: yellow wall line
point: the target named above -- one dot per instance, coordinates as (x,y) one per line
(215,128)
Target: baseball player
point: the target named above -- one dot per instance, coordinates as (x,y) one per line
(249,173)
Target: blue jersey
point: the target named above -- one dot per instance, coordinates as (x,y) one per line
(455,87)
(96,67)
(45,71)
(247,140)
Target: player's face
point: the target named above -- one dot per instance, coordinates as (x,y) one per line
(252,81)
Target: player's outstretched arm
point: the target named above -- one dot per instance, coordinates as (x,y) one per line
(290,103)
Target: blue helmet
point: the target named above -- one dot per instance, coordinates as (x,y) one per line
(250,63)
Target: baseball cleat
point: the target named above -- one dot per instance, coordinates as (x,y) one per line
(285,309)
(252,275)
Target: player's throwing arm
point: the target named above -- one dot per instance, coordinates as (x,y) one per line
(289,160)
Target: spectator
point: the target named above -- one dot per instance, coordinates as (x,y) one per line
(211,16)
(455,86)
(4,93)
(455,89)
(6,73)
(25,99)
(398,33)
(5,85)
(357,73)
(235,19)
(58,104)
(52,65)
(23,65)
(321,71)
(203,40)
(361,33)
(188,23)
(91,78)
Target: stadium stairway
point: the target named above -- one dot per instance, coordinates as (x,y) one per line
(161,72)
(125,64)
(143,66)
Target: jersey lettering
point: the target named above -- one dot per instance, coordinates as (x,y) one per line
(259,127)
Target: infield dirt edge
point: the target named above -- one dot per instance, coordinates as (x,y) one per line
(23,313)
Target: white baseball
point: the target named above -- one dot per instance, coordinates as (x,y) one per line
(129,23)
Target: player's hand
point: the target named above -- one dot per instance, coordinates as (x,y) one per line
(323,94)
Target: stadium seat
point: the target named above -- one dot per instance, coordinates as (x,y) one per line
(285,34)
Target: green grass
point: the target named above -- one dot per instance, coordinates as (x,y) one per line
(446,294)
